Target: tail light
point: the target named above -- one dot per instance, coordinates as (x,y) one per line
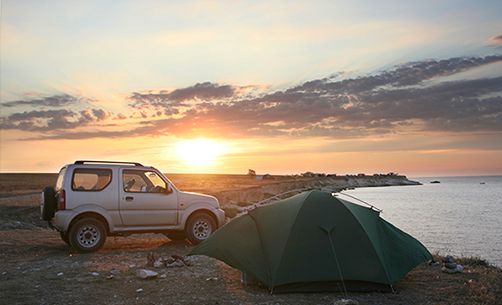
(62,200)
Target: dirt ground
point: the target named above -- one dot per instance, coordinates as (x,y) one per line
(37,267)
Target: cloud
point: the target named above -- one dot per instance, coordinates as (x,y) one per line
(496,39)
(49,101)
(206,91)
(409,97)
(389,101)
(52,120)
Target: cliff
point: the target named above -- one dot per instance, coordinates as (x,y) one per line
(236,201)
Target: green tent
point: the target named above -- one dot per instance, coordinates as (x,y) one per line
(314,241)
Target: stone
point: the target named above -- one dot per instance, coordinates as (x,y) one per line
(146,274)
(158,263)
(346,302)
(176,263)
(457,269)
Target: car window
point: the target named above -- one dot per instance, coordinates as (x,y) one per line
(59,182)
(142,181)
(90,179)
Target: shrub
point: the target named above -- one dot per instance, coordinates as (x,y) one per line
(230,212)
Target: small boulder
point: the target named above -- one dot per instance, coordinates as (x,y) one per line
(146,274)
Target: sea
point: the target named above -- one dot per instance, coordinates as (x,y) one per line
(460,216)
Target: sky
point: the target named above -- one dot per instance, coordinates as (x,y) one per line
(413,87)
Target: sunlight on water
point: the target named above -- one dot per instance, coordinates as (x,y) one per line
(458,216)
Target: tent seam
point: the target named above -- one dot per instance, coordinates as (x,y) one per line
(289,235)
(265,253)
(381,260)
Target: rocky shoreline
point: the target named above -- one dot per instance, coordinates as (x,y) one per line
(237,201)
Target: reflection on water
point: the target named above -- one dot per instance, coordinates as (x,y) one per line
(459,216)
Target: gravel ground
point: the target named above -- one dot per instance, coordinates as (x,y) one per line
(36,267)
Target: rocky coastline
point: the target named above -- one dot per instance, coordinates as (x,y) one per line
(237,201)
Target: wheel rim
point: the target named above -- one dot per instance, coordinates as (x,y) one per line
(88,236)
(202,229)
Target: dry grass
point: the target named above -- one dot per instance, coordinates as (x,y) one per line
(206,183)
(24,183)
(230,212)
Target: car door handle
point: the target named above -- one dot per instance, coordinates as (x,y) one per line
(129,198)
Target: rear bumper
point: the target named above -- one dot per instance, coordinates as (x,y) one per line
(61,220)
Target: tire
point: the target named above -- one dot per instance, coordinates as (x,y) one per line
(176,236)
(87,235)
(64,237)
(49,203)
(199,227)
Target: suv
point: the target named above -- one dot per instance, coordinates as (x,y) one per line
(95,199)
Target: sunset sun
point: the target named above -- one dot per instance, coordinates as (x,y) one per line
(199,152)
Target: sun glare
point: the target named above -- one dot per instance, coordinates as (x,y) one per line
(199,152)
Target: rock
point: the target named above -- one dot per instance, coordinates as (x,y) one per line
(139,290)
(176,263)
(163,276)
(450,265)
(346,302)
(434,264)
(183,259)
(94,274)
(146,274)
(60,274)
(150,259)
(457,269)
(158,263)
(111,276)
(212,279)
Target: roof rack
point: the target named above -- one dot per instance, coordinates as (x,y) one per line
(115,162)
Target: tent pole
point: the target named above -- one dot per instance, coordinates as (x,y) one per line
(337,263)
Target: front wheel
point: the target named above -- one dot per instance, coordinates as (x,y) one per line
(198,228)
(87,235)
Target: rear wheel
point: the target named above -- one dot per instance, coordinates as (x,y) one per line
(87,235)
(199,226)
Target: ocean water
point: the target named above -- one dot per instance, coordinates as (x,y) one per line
(459,216)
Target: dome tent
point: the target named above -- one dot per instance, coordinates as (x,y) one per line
(312,241)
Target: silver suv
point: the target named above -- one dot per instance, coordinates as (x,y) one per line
(95,199)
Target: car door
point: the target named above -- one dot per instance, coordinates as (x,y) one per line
(146,199)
